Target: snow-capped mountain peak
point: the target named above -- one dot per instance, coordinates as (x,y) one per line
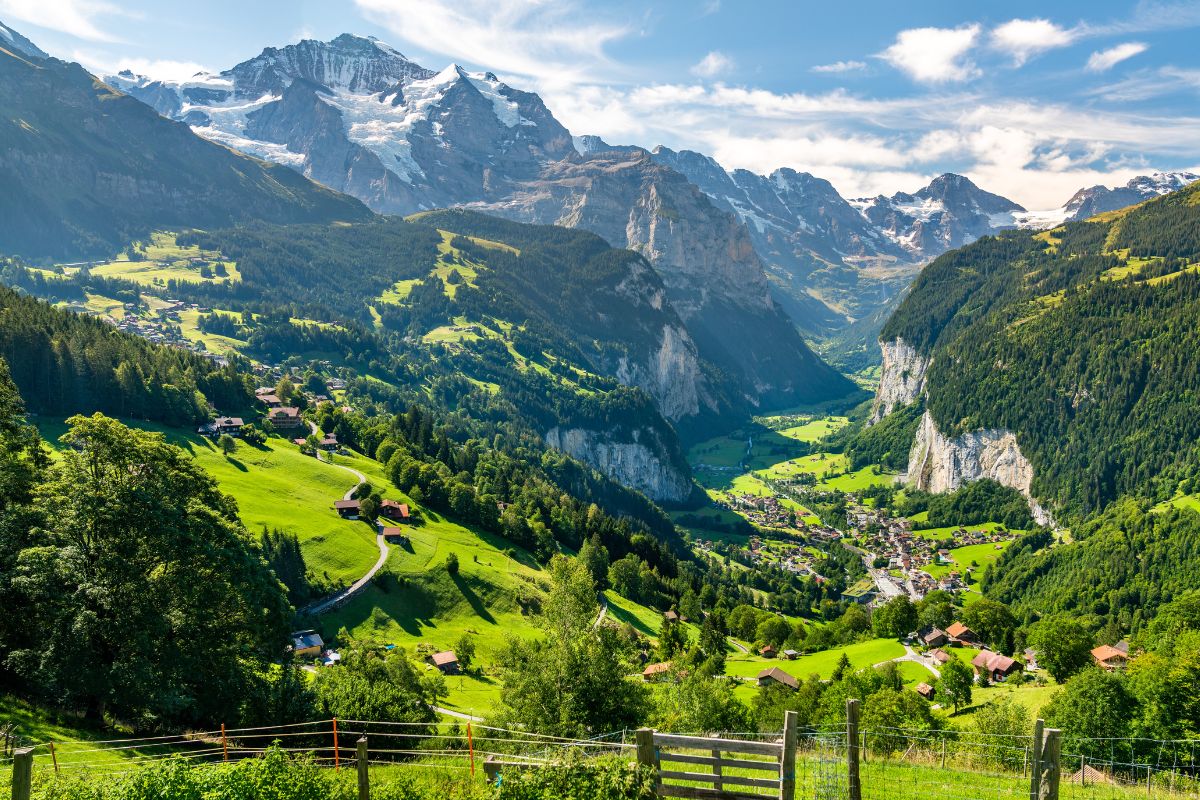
(12,40)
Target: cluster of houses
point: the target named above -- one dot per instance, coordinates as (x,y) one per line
(764,511)
(308,645)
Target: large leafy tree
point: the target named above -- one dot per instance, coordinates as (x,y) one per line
(956,683)
(145,596)
(895,618)
(1063,646)
(573,681)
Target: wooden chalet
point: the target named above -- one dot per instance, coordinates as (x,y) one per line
(925,690)
(656,673)
(285,417)
(776,675)
(997,667)
(1109,657)
(960,634)
(394,535)
(394,510)
(347,508)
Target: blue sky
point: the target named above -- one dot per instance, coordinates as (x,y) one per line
(1031,100)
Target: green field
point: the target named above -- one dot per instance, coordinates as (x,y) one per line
(166,261)
(981,554)
(815,430)
(861,655)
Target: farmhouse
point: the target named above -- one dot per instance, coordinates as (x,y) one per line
(654,673)
(961,634)
(307,644)
(767,651)
(346,508)
(330,442)
(994,665)
(394,510)
(670,616)
(935,637)
(776,675)
(270,400)
(1110,658)
(445,661)
(231,425)
(288,417)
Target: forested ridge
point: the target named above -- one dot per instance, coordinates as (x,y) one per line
(1084,341)
(65,363)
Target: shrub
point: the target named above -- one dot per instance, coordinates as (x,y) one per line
(606,779)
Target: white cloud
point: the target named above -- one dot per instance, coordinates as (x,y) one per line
(710,7)
(160,69)
(74,17)
(557,43)
(1026,38)
(713,64)
(838,67)
(934,55)
(1103,60)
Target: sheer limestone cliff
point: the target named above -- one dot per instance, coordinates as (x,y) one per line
(902,379)
(635,464)
(938,463)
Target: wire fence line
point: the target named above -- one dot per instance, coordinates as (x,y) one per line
(845,763)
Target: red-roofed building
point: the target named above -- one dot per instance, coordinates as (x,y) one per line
(961,634)
(997,667)
(394,510)
(1110,658)
(446,661)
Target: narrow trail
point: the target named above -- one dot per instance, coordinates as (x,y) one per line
(456,714)
(914,657)
(603,612)
(345,594)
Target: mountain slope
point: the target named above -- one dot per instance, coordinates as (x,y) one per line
(1098,199)
(16,43)
(361,118)
(87,169)
(1064,363)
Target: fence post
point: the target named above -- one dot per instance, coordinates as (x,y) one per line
(363,762)
(1035,759)
(22,773)
(337,756)
(787,765)
(1050,756)
(644,737)
(54,757)
(853,786)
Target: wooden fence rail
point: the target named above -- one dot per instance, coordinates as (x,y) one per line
(653,749)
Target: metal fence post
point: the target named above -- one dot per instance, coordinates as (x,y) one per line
(787,765)
(853,785)
(1035,757)
(22,773)
(362,761)
(1051,768)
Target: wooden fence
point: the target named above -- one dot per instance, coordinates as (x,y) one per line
(696,767)
(654,748)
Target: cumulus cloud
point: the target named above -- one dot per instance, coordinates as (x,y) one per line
(1104,60)
(555,43)
(841,66)
(934,55)
(713,64)
(78,18)
(1025,38)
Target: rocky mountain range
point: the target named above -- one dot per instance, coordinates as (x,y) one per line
(87,169)
(360,117)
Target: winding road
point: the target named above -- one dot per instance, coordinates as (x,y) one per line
(345,594)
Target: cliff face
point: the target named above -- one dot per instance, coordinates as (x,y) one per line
(938,463)
(671,375)
(902,380)
(634,464)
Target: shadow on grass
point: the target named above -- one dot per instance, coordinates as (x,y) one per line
(238,465)
(625,617)
(473,599)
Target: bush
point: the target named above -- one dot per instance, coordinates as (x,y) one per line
(614,779)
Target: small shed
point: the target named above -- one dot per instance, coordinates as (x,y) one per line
(925,690)
(446,661)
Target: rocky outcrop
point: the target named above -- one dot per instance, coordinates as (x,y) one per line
(671,376)
(902,379)
(938,463)
(635,464)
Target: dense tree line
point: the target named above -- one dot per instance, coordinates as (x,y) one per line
(975,502)
(65,363)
